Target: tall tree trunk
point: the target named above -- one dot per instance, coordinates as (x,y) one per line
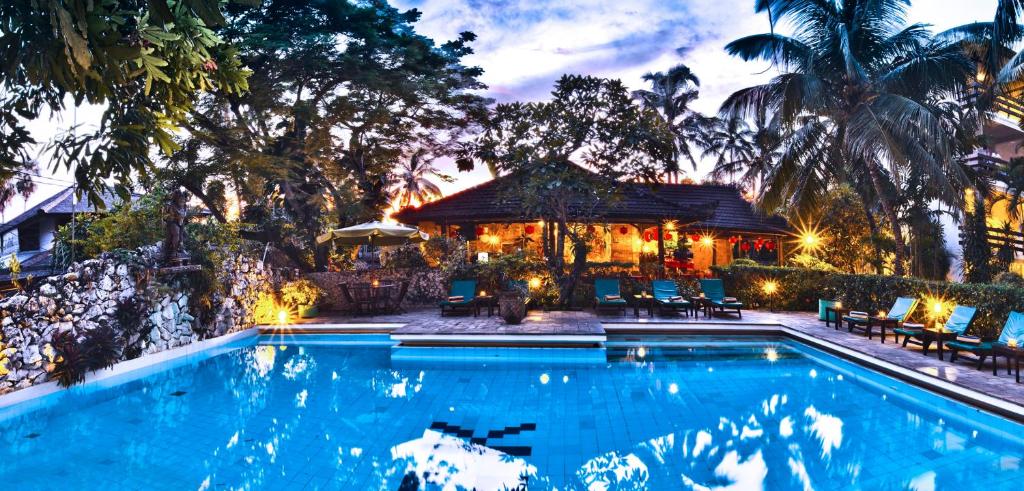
(890,214)
(873,227)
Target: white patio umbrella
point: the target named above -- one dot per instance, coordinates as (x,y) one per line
(374,233)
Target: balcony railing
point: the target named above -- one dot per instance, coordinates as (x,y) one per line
(985,164)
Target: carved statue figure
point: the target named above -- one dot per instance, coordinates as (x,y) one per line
(174,212)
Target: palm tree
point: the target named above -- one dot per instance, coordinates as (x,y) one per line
(854,94)
(412,182)
(745,149)
(990,46)
(671,94)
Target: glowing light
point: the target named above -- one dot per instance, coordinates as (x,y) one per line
(707,241)
(771,355)
(1012,343)
(376,283)
(483,293)
(813,373)
(670,226)
(534,283)
(839,305)
(641,352)
(769,287)
(673,388)
(808,238)
(545,378)
(565,379)
(282,317)
(881,313)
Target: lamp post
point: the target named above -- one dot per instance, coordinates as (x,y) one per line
(769,288)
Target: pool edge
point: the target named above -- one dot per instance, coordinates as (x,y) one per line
(39,391)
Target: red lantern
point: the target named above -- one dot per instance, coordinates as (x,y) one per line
(648,236)
(733,240)
(453,234)
(479,230)
(591,229)
(745,246)
(668,235)
(623,230)
(530,229)
(695,237)
(770,245)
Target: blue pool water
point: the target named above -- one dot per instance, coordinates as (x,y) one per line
(761,414)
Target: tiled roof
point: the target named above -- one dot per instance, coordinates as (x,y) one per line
(62,203)
(718,207)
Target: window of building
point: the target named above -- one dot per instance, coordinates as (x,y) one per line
(28,237)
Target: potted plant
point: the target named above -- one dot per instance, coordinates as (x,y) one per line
(303,295)
(512,301)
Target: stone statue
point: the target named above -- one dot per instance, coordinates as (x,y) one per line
(174,212)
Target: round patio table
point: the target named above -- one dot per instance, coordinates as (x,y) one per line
(374,296)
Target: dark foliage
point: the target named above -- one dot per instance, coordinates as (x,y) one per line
(128,318)
(70,365)
(101,348)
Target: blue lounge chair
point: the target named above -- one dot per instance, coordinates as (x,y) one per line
(898,314)
(959,321)
(1013,329)
(666,297)
(460,288)
(714,294)
(607,296)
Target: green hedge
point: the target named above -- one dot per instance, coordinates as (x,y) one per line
(800,289)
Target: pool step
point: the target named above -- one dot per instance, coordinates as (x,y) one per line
(331,328)
(578,341)
(455,355)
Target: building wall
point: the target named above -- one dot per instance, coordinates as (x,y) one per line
(614,242)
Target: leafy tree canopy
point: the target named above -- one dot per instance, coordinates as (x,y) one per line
(590,123)
(145,61)
(341,93)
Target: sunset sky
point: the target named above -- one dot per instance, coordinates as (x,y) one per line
(524,45)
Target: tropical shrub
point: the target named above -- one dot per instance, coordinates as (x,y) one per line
(300,292)
(800,289)
(69,366)
(1009,278)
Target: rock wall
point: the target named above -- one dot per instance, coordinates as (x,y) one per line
(151,313)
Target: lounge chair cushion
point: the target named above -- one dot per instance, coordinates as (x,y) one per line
(902,308)
(856,319)
(1013,329)
(982,347)
(723,303)
(909,331)
(464,290)
(960,319)
(447,303)
(605,287)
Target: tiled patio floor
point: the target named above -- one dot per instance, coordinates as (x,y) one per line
(963,372)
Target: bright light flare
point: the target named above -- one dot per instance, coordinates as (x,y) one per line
(770,287)
(771,354)
(534,283)
(707,241)
(282,317)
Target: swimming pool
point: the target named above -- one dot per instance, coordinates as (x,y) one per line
(342,413)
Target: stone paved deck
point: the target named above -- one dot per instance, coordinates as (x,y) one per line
(962,373)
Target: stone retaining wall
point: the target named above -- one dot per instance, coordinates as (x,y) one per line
(104,292)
